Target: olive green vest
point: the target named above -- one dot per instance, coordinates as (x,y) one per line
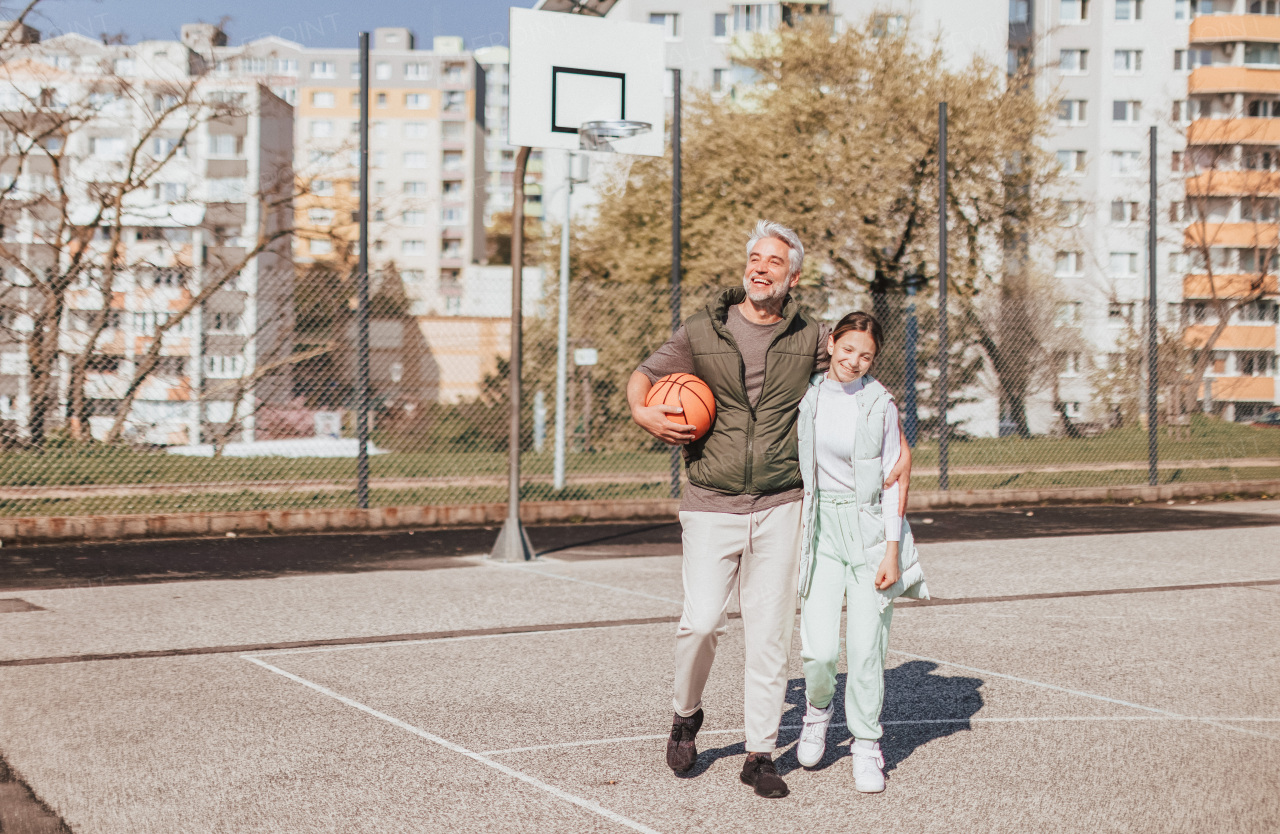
(750,450)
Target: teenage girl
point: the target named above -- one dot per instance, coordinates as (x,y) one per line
(854,543)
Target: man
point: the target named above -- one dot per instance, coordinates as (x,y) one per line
(756,349)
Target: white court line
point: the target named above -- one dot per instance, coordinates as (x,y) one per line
(1084,694)
(387,644)
(975,720)
(532,570)
(457,748)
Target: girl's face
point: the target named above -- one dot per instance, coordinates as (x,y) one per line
(851,355)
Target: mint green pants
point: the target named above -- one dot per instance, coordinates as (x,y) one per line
(840,571)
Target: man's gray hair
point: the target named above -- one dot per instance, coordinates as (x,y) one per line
(767,228)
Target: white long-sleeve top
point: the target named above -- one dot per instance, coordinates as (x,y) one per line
(833,446)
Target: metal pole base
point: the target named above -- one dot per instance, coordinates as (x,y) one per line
(513,543)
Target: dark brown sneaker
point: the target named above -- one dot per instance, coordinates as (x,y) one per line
(759,772)
(682,753)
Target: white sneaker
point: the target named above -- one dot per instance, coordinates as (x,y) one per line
(868,772)
(813,736)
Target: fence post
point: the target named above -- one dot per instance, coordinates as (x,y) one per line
(675,246)
(362,291)
(1153,365)
(944,478)
(910,411)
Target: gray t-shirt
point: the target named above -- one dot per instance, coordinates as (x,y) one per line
(676,357)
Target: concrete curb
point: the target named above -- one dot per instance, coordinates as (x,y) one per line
(43,529)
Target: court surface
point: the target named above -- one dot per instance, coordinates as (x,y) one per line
(1115,681)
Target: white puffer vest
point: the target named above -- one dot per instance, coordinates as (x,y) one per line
(868,441)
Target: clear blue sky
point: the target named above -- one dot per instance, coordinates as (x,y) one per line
(314,23)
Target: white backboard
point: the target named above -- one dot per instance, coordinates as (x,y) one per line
(567,69)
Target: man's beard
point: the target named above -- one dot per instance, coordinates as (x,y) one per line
(776,294)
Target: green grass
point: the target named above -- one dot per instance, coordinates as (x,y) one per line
(70,465)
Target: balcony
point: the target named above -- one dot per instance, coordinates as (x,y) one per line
(1210,29)
(1234,132)
(1242,388)
(1234,336)
(1212,80)
(1233,183)
(1227,286)
(1236,235)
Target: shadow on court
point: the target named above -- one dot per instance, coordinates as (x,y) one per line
(912,693)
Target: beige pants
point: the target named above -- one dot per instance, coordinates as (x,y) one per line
(758,554)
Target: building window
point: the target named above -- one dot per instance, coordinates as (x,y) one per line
(1181,9)
(1073,61)
(321,129)
(413,247)
(321,246)
(883,25)
(1068,313)
(1071,111)
(1120,312)
(670,23)
(717,80)
(455,73)
(1126,162)
(417,101)
(452,161)
(453,216)
(286,66)
(1068,264)
(455,102)
(1189,59)
(107,147)
(1128,10)
(1071,162)
(320,216)
(1124,211)
(1122,264)
(1069,364)
(1126,112)
(415,188)
(1070,212)
(1255,363)
(417,72)
(323,188)
(322,99)
(415,130)
(324,69)
(1019,11)
(452,131)
(1265,54)
(760,17)
(380,100)
(1128,61)
(1262,109)
(720,25)
(1073,11)
(355,70)
(413,217)
(415,159)
(382,71)
(225,322)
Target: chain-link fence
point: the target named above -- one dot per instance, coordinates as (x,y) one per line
(1033,403)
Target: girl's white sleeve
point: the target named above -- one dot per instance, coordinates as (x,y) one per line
(890,450)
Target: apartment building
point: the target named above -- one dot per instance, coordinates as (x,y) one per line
(426,139)
(1192,69)
(1230,213)
(210,220)
(500,156)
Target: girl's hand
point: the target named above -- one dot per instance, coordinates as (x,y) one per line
(888,573)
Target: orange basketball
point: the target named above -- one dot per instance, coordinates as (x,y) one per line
(690,393)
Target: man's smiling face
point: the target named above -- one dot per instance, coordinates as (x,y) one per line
(765,279)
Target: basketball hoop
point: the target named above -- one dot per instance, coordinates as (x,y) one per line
(596,136)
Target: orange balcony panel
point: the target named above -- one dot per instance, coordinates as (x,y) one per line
(1229,28)
(1234,131)
(1234,336)
(1228,286)
(1207,80)
(1233,183)
(1243,389)
(1235,235)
